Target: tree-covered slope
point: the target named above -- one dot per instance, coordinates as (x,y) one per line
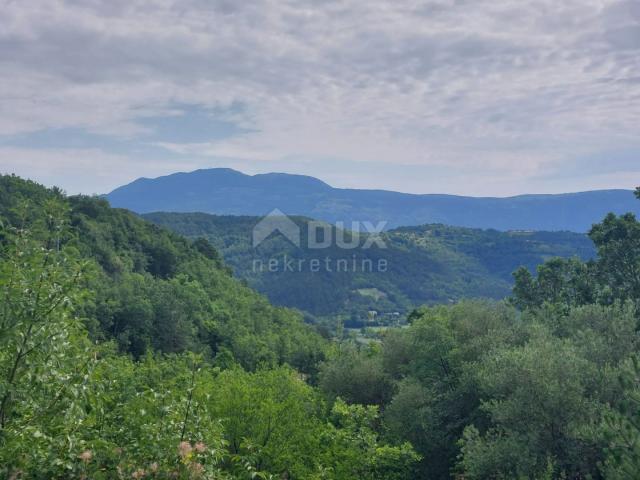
(543,386)
(427,264)
(155,290)
(228,192)
(128,352)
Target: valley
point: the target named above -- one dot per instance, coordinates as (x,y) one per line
(427,264)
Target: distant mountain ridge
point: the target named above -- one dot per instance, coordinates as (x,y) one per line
(224,191)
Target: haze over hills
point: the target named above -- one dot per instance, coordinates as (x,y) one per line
(225,191)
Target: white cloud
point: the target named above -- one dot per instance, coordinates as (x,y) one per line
(88,171)
(506,89)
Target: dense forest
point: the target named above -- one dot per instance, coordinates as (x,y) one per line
(127,351)
(430,264)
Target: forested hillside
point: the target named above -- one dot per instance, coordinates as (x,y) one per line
(127,351)
(424,265)
(544,386)
(155,290)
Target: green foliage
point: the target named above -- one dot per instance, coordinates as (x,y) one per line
(129,352)
(561,281)
(150,416)
(356,375)
(622,426)
(617,239)
(538,403)
(271,415)
(425,265)
(437,393)
(485,391)
(613,276)
(355,451)
(154,290)
(70,408)
(43,348)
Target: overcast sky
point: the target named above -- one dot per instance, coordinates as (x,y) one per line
(450,96)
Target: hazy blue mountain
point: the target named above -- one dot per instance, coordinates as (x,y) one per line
(225,191)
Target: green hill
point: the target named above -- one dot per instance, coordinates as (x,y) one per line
(127,351)
(424,265)
(122,347)
(155,290)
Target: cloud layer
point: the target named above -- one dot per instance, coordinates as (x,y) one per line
(478,97)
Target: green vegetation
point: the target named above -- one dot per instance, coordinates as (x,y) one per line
(154,290)
(127,351)
(543,386)
(431,264)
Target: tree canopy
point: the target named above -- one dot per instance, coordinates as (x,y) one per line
(127,351)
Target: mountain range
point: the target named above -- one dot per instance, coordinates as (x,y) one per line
(224,191)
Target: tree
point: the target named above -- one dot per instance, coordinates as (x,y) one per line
(538,405)
(43,348)
(618,241)
(150,418)
(614,275)
(271,416)
(438,393)
(622,427)
(560,281)
(357,376)
(353,449)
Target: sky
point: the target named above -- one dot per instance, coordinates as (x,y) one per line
(472,97)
